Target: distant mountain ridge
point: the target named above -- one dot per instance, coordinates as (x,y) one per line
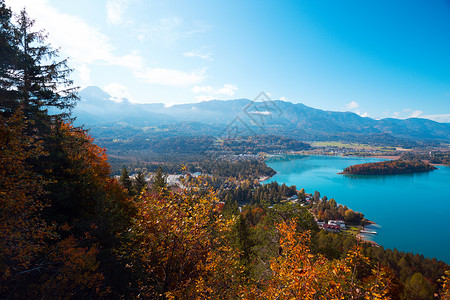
(281,118)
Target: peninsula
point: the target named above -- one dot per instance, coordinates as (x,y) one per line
(388,168)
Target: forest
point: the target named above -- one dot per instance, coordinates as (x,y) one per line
(389,168)
(69,230)
(147,146)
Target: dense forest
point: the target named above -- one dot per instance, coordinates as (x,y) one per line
(137,143)
(69,230)
(389,167)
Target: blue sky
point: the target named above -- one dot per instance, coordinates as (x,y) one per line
(376,58)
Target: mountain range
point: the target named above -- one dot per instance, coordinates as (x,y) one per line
(97,109)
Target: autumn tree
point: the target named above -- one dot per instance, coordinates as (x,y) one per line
(177,241)
(445,292)
(298,274)
(22,230)
(45,249)
(417,288)
(61,211)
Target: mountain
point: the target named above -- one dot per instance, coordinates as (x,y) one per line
(97,109)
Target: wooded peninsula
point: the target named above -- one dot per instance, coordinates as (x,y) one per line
(390,167)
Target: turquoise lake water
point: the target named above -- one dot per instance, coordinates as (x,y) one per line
(411,210)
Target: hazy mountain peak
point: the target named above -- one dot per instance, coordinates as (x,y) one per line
(94,92)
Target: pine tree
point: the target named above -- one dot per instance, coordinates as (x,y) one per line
(42,81)
(126,181)
(140,183)
(85,207)
(159,180)
(8,60)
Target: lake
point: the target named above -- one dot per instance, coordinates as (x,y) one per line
(411,210)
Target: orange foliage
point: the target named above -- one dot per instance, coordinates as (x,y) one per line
(38,259)
(178,242)
(22,231)
(297,274)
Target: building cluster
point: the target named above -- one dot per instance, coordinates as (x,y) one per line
(334,226)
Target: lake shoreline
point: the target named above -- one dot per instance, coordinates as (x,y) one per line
(380,198)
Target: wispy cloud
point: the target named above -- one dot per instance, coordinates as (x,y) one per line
(202,53)
(86,45)
(118,92)
(170,77)
(210,93)
(444,118)
(85,74)
(366,114)
(168,31)
(352,105)
(115,10)
(415,114)
(69,32)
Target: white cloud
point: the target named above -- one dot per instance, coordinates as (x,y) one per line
(352,105)
(284,99)
(86,45)
(115,10)
(118,92)
(444,118)
(261,112)
(415,114)
(85,74)
(131,61)
(204,98)
(366,114)
(82,43)
(167,31)
(227,89)
(170,77)
(200,54)
(210,93)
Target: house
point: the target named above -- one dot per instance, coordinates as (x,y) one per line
(339,223)
(332,228)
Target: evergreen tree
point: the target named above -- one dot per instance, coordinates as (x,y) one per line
(41,81)
(140,184)
(8,60)
(126,181)
(87,209)
(244,243)
(159,180)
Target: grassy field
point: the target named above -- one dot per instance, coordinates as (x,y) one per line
(353,230)
(350,145)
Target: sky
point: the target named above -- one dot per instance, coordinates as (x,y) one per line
(375,58)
